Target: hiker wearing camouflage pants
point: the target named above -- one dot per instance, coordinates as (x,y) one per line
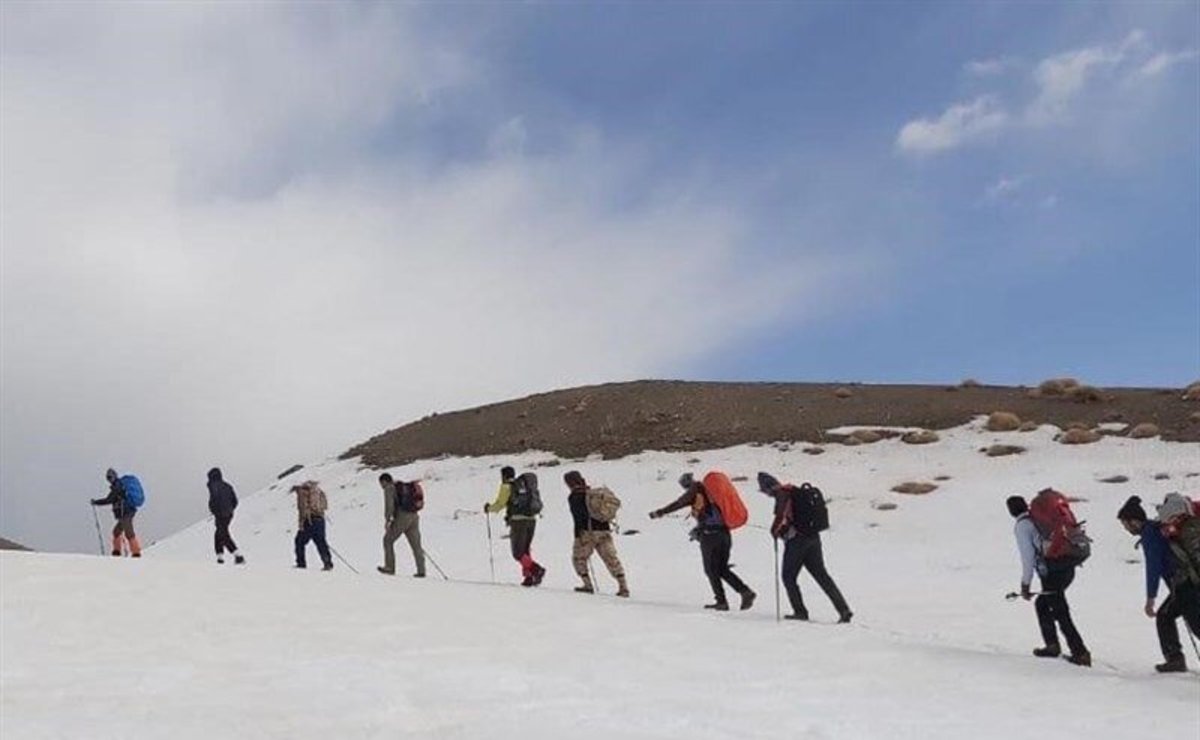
(591,535)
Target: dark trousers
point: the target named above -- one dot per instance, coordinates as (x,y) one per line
(222,541)
(1184,601)
(802,552)
(1054,613)
(520,536)
(715,548)
(313,529)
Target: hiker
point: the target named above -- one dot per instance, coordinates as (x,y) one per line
(800,515)
(716,543)
(1173,565)
(1056,575)
(402,503)
(592,534)
(310,506)
(125,496)
(222,501)
(521,503)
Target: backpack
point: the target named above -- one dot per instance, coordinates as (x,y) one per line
(525,500)
(602,504)
(809,513)
(1180,521)
(723,495)
(1064,541)
(410,497)
(135,497)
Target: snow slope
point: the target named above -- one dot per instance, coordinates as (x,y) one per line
(935,650)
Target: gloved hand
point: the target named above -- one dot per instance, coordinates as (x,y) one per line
(95,502)
(487,508)
(1025,592)
(655,515)
(694,534)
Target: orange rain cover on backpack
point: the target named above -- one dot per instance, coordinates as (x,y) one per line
(723,495)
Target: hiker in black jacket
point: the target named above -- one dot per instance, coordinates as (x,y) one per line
(591,535)
(124,512)
(222,501)
(801,549)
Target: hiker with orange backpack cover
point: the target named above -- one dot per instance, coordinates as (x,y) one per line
(1055,563)
(712,531)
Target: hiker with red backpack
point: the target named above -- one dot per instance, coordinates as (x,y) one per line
(521,502)
(717,508)
(1172,554)
(1052,543)
(126,496)
(800,517)
(592,510)
(402,504)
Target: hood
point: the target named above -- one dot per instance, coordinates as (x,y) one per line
(214,475)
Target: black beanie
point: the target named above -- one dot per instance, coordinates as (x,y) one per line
(686,480)
(1133,510)
(507,473)
(767,482)
(1016,505)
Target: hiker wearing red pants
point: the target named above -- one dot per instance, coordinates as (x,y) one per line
(521,503)
(125,496)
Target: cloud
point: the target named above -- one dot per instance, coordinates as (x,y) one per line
(959,124)
(1163,61)
(1062,77)
(990,67)
(1003,189)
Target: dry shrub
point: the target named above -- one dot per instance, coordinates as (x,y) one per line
(1115,479)
(884,506)
(970,383)
(1085,394)
(843,392)
(914,488)
(1056,386)
(1145,430)
(920,437)
(1028,426)
(814,450)
(1162,476)
(1003,450)
(1003,421)
(942,478)
(1076,436)
(866,436)
(1192,392)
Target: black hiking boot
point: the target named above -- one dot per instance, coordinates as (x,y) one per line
(585,589)
(1173,664)
(418,575)
(538,574)
(220,561)
(748,600)
(720,606)
(1083,659)
(845,617)
(797,617)
(1050,651)
(527,581)
(239,560)
(385,571)
(116,553)
(136,555)
(327,566)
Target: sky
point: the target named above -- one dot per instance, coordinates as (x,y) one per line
(250,235)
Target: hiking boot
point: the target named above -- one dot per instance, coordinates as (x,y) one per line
(385,571)
(220,561)
(1050,651)
(748,600)
(1080,659)
(585,589)
(327,566)
(1173,664)
(527,581)
(845,617)
(418,575)
(538,574)
(300,566)
(798,617)
(623,592)
(116,553)
(719,606)
(239,560)
(136,555)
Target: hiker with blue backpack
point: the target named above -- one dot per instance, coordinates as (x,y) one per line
(1052,543)
(126,496)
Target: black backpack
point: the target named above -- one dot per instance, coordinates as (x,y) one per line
(809,513)
(525,500)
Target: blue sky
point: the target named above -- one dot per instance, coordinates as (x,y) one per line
(293,226)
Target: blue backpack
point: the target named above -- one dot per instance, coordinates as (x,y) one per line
(134,495)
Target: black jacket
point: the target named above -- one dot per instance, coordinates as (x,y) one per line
(222,499)
(116,497)
(583,521)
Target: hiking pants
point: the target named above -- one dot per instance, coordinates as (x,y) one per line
(805,552)
(1054,612)
(313,529)
(408,525)
(715,548)
(602,544)
(123,531)
(1184,601)
(520,536)
(222,540)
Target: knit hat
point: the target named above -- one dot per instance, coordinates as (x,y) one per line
(574,479)
(686,480)
(1133,510)
(767,482)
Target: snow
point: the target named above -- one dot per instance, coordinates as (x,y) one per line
(176,645)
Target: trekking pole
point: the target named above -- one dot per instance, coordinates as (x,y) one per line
(344,561)
(491,551)
(1013,595)
(436,567)
(99,537)
(778,615)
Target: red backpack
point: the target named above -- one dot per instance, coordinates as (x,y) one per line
(1064,540)
(723,495)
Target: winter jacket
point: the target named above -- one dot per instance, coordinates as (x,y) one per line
(222,499)
(579,512)
(116,497)
(501,504)
(1029,544)
(707,516)
(1160,564)
(310,502)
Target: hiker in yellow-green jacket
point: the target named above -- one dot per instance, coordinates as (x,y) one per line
(518,498)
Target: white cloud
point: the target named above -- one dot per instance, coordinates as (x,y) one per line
(959,124)
(990,67)
(1003,189)
(1062,77)
(1163,61)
